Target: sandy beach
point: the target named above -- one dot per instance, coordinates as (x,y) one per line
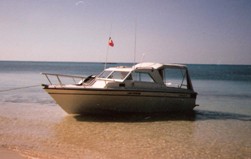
(45,132)
(9,154)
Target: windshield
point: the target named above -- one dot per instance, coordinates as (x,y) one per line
(105,74)
(119,75)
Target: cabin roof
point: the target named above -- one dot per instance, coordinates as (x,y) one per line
(145,66)
(150,65)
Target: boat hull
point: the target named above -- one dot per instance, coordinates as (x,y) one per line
(81,101)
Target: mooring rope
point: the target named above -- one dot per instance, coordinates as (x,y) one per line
(17,88)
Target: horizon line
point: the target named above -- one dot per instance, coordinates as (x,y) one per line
(112,62)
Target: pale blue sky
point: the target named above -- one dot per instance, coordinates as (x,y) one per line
(168,31)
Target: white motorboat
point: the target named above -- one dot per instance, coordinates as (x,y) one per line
(142,88)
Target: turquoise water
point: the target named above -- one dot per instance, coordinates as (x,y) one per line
(217,84)
(32,123)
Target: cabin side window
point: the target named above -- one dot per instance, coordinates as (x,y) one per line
(174,77)
(142,77)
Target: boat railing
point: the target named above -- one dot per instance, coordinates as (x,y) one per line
(60,78)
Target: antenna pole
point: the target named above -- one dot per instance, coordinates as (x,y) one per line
(135,41)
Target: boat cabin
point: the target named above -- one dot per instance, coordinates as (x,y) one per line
(144,76)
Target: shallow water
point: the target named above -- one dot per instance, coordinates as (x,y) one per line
(33,125)
(47,132)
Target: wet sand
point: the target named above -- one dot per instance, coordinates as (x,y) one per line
(8,154)
(45,131)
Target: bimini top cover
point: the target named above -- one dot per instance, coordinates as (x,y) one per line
(150,65)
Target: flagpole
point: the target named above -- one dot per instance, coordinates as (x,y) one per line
(107,48)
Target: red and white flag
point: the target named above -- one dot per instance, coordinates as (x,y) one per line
(110,43)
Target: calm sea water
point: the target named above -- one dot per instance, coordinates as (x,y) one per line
(32,124)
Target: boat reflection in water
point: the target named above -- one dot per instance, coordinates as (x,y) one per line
(142,88)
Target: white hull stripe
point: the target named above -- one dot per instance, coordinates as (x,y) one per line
(134,94)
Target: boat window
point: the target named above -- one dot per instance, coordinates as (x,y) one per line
(118,75)
(142,77)
(104,74)
(174,77)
